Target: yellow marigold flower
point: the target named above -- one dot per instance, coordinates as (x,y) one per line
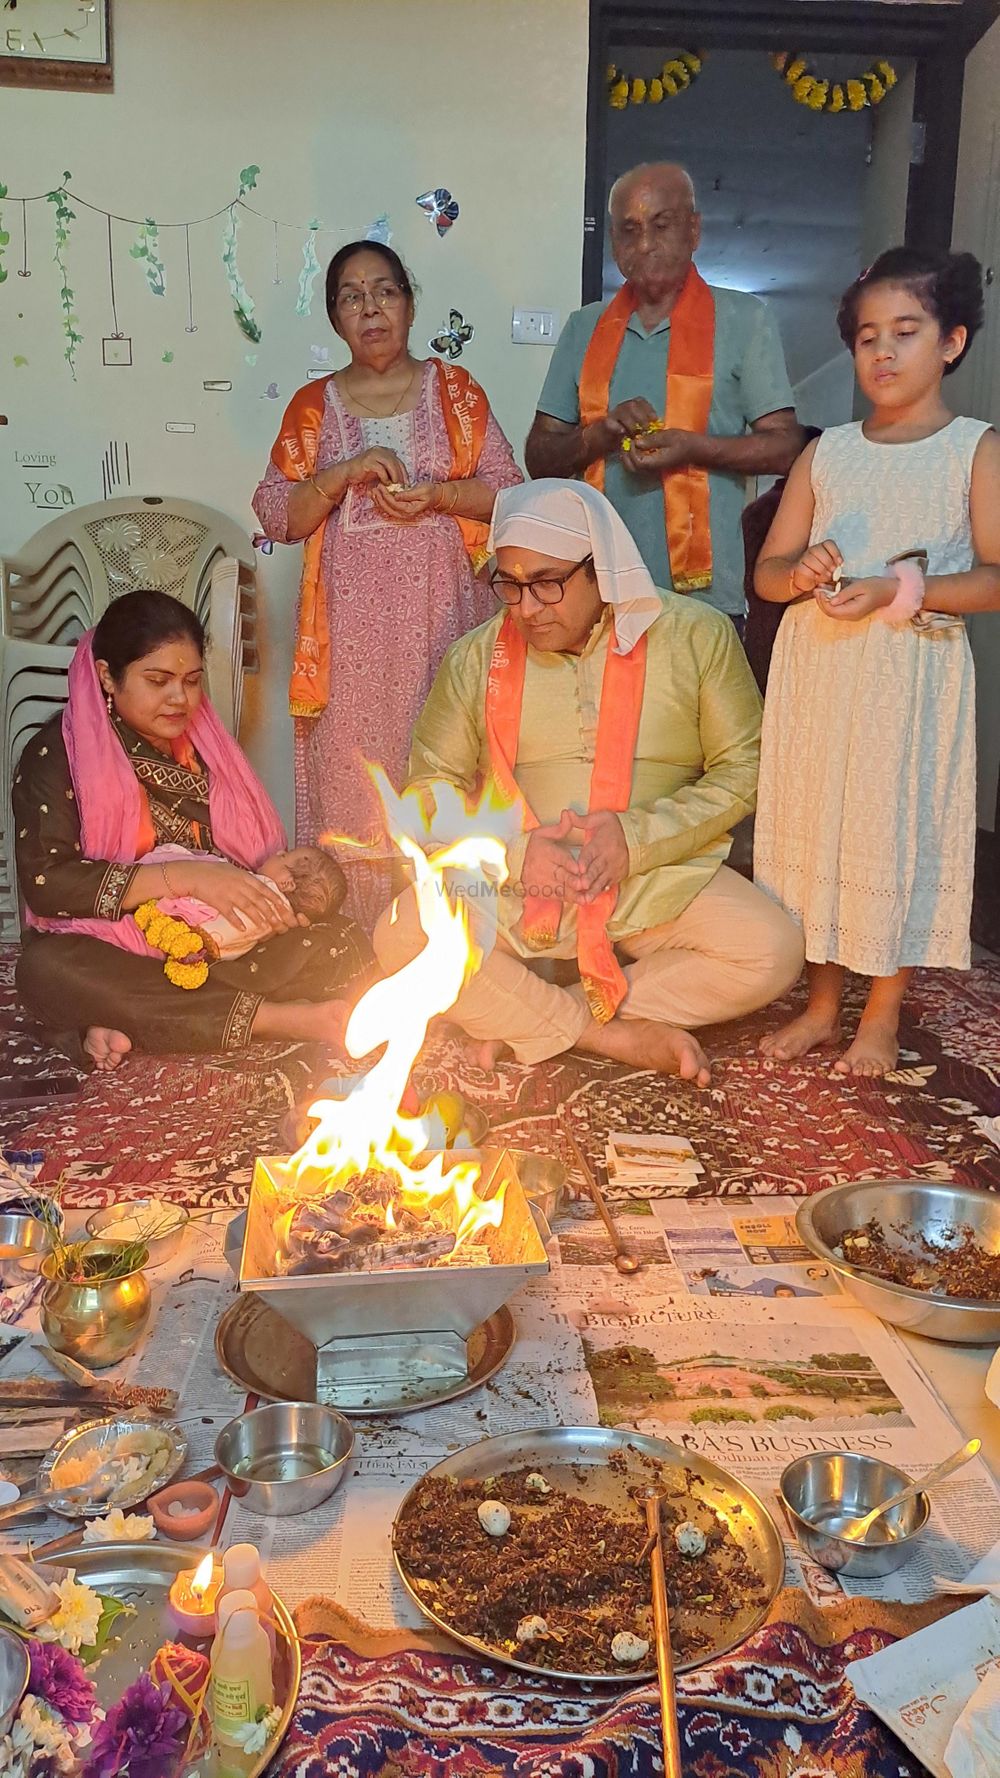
(638,92)
(857,98)
(678,72)
(803,87)
(670,85)
(612,74)
(837,100)
(818,95)
(886,73)
(795,70)
(186,975)
(618,95)
(144,913)
(691,61)
(655,91)
(876,90)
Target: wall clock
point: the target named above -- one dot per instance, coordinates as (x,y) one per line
(56,43)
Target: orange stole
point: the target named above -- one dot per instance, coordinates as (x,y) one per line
(610,788)
(690,375)
(296,448)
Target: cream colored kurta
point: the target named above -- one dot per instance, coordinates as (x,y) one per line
(696,758)
(866,820)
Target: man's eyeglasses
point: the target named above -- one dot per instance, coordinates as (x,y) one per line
(351,302)
(548,591)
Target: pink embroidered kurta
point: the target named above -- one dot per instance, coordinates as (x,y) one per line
(397,596)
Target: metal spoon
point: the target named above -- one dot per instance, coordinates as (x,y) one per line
(856,1530)
(624,1259)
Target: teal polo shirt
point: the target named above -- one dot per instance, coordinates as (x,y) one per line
(750,380)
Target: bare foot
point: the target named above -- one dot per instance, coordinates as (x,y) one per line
(108,1048)
(875,1050)
(645,1044)
(813,1027)
(485,1054)
(316,1021)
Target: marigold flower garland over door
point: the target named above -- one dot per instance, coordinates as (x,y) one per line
(822,94)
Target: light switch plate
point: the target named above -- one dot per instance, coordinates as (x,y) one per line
(534,327)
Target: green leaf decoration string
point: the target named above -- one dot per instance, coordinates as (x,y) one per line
(243,303)
(147,248)
(308,274)
(63,217)
(4,239)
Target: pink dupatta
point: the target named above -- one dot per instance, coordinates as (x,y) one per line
(246,826)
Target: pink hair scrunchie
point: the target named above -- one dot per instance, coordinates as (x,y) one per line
(909,596)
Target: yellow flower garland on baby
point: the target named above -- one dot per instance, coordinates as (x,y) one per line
(178,941)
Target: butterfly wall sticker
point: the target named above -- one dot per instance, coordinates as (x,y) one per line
(450,341)
(440,207)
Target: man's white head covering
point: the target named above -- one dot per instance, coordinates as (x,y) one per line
(571,520)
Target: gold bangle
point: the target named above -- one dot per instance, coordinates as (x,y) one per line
(313,483)
(452,488)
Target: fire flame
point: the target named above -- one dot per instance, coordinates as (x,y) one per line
(201,1579)
(366,1129)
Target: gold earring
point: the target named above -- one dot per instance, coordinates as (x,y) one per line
(108,700)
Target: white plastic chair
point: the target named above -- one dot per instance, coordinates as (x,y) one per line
(32,689)
(68,573)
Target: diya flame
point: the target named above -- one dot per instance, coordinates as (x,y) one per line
(367,1129)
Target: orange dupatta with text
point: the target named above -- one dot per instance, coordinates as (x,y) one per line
(610,788)
(466,416)
(690,375)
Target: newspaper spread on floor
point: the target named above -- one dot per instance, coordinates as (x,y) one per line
(730,1341)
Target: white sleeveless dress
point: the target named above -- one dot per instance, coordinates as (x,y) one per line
(866,819)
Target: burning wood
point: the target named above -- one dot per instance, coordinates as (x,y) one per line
(365,1229)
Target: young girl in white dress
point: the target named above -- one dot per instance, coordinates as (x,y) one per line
(866,809)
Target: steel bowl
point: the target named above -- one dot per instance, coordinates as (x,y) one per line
(927,1208)
(13,1676)
(24,1242)
(160,1226)
(285,1458)
(821,1492)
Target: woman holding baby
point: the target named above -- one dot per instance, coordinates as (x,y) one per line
(137,795)
(387,470)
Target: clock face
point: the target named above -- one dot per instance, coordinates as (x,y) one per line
(54,30)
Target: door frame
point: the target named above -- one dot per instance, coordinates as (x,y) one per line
(938,36)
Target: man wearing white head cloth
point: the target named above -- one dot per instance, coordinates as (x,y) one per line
(622,724)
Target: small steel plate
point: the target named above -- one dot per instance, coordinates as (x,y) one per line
(265,1355)
(576,1459)
(100,1436)
(140,1574)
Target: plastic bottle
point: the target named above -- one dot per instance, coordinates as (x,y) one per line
(241,1573)
(241,1677)
(238,1600)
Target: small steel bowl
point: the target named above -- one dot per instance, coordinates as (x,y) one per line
(285,1458)
(13,1676)
(151,1214)
(24,1242)
(929,1208)
(824,1490)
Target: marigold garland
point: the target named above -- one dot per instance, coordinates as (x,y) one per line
(676,75)
(820,94)
(178,941)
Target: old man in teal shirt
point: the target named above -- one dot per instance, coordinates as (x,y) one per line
(751,427)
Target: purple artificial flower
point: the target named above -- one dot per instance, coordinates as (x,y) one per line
(142,1735)
(61,1680)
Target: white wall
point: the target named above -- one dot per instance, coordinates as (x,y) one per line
(350,108)
(975,388)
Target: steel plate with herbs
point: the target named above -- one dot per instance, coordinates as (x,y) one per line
(532,1548)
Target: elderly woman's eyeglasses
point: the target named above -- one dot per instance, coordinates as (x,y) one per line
(548,591)
(351,302)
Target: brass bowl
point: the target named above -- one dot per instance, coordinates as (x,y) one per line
(101,1320)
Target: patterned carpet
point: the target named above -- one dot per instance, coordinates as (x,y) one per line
(192,1126)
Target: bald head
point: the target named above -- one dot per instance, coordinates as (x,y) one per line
(668,179)
(655,229)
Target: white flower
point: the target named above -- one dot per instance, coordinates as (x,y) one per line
(154,566)
(119,1527)
(38,1730)
(253,1737)
(74,1622)
(119,534)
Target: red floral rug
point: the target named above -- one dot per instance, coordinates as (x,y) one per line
(191,1126)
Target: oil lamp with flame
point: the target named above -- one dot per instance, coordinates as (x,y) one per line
(193,1597)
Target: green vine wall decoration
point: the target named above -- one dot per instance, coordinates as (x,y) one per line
(4,239)
(63,217)
(243,303)
(147,248)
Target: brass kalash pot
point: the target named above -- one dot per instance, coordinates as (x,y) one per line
(95,1318)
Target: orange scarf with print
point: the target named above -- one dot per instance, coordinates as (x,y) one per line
(690,371)
(466,415)
(610,788)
